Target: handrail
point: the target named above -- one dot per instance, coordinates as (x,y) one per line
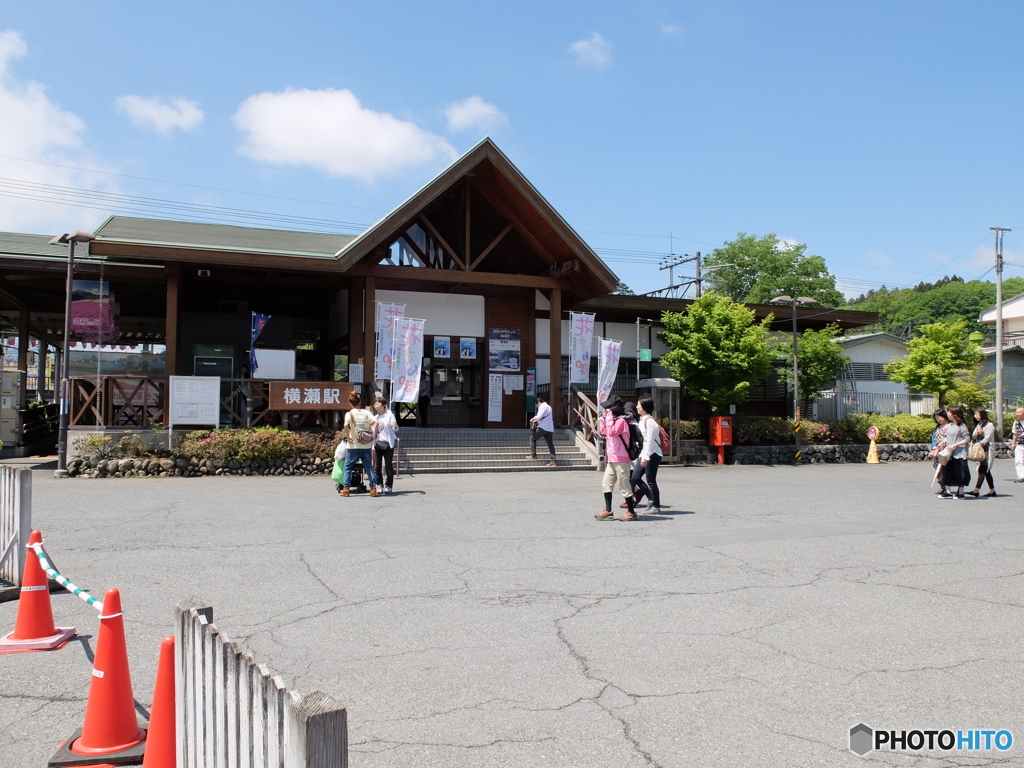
(588,414)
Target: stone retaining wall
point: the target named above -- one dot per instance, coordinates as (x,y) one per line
(839,454)
(177,467)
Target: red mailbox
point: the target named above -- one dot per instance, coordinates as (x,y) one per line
(720,434)
(720,430)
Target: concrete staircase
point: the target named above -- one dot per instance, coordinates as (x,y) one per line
(430,450)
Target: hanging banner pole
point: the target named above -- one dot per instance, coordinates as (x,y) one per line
(408,363)
(387,314)
(611,351)
(581,325)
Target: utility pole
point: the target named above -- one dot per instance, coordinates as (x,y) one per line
(999,328)
(698,280)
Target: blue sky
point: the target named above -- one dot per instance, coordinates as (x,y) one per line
(885,136)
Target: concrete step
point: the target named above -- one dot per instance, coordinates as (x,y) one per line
(438,463)
(504,450)
(533,467)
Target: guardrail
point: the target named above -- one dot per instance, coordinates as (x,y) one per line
(232,712)
(15,521)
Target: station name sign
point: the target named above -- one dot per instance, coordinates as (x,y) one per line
(310,395)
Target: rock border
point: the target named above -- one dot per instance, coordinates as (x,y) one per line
(851,453)
(180,467)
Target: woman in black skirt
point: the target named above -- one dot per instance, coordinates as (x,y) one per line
(956,473)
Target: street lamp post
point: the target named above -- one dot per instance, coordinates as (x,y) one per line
(69,238)
(796,360)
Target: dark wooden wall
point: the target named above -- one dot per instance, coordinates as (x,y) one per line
(514,312)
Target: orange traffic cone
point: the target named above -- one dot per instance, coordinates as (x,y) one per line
(110,733)
(33,628)
(161,749)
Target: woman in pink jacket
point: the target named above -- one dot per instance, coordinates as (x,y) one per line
(615,429)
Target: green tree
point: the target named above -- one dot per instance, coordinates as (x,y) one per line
(936,359)
(972,390)
(623,290)
(717,350)
(944,301)
(821,360)
(755,270)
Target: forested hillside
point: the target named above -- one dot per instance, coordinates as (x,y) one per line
(947,300)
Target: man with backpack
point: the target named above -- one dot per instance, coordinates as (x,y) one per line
(613,425)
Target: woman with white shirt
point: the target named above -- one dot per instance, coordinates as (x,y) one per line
(650,457)
(384,440)
(545,428)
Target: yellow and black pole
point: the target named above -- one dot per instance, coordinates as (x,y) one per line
(873,450)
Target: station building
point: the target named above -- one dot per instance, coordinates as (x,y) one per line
(476,249)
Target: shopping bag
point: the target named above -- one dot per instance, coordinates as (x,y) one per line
(338,473)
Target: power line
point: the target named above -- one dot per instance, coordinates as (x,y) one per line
(194,186)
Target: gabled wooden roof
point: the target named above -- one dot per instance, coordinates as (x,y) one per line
(515,200)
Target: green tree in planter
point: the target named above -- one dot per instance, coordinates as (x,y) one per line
(717,349)
(936,359)
(821,360)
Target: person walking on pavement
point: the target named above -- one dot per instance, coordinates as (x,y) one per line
(984,435)
(358,432)
(650,457)
(1017,445)
(938,443)
(612,424)
(956,473)
(424,398)
(384,440)
(632,417)
(543,426)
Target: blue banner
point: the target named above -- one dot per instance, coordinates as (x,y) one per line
(259,322)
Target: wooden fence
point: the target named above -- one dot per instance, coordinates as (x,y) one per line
(15,521)
(233,713)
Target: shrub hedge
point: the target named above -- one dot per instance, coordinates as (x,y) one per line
(771,430)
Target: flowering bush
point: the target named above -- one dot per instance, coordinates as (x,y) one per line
(763,430)
(248,444)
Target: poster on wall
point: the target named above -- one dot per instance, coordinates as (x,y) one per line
(503,349)
(581,340)
(387,315)
(494,397)
(467,348)
(608,367)
(405,381)
(442,346)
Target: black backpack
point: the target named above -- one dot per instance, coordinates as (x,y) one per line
(636,442)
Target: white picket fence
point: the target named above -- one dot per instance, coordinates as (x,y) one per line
(15,521)
(233,713)
(833,405)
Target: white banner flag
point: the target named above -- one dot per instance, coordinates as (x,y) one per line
(405,379)
(608,367)
(581,340)
(387,314)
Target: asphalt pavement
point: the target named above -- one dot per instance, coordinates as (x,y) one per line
(489,620)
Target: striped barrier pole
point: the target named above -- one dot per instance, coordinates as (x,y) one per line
(64,582)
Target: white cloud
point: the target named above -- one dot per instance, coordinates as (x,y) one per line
(787,243)
(37,130)
(474,112)
(594,52)
(332,131)
(672,29)
(159,114)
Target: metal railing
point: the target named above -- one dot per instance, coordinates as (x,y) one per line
(834,405)
(15,521)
